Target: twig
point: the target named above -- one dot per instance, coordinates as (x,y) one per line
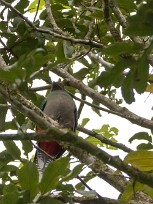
(36,11)
(100,60)
(88,187)
(83,97)
(104,140)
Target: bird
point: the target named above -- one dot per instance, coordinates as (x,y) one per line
(60,106)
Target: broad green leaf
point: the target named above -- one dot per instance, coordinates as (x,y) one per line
(9,188)
(81,74)
(60,51)
(127,5)
(63,2)
(144,146)
(21,5)
(29,178)
(34,6)
(142,74)
(141,23)
(27,146)
(65,188)
(141,136)
(127,87)
(148,190)
(94,140)
(9,168)
(74,172)
(129,192)
(13,149)
(10,198)
(110,76)
(53,172)
(143,160)
(6,157)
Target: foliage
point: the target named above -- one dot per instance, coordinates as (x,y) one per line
(105,44)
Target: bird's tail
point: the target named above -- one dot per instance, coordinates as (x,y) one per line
(42,160)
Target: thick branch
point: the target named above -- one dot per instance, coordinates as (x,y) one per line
(70,139)
(102,170)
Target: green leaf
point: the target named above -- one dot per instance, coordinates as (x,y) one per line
(141,136)
(9,188)
(74,172)
(97,111)
(65,188)
(140,159)
(3,111)
(141,23)
(21,5)
(9,168)
(142,74)
(122,47)
(81,74)
(5,157)
(63,2)
(127,5)
(94,141)
(144,146)
(114,130)
(91,193)
(34,6)
(110,76)
(27,146)
(68,49)
(10,198)
(29,178)
(60,51)
(84,122)
(127,87)
(13,149)
(129,192)
(52,173)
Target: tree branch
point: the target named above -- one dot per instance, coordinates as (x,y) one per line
(69,139)
(51,18)
(109,21)
(57,35)
(122,20)
(102,170)
(100,60)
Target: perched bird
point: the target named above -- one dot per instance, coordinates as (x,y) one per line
(60,106)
